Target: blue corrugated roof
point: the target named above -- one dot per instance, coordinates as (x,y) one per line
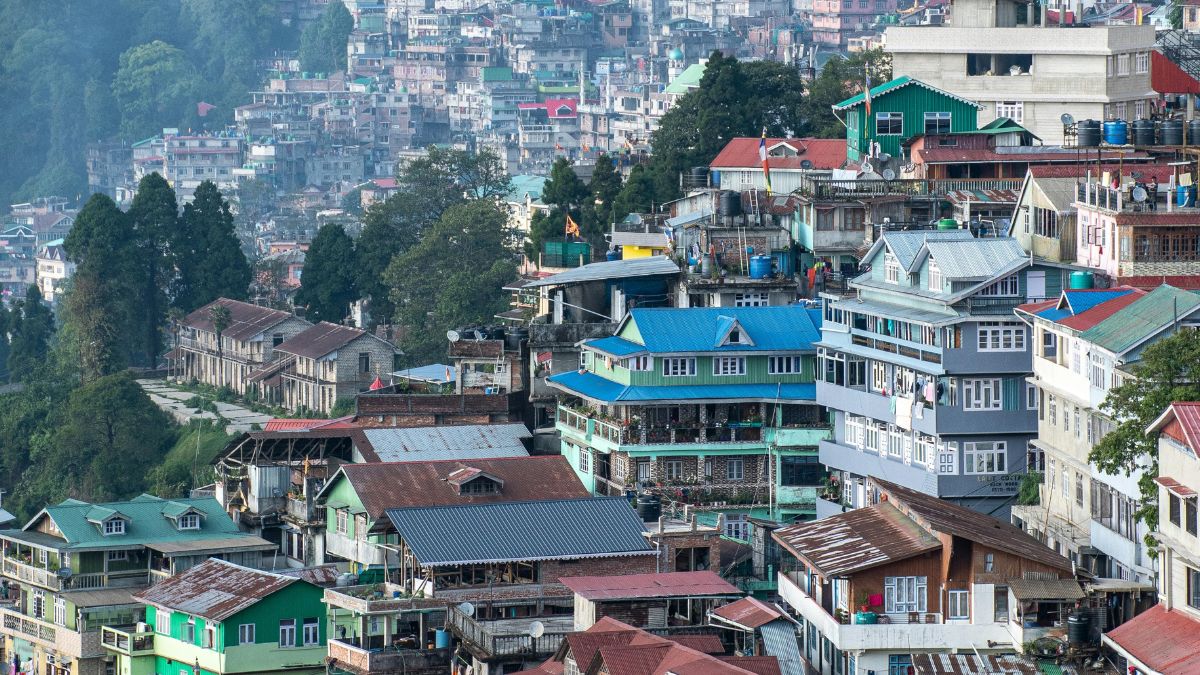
(518,531)
(1081,301)
(673,330)
(592,386)
(615,346)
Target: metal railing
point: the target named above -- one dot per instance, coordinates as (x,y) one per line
(387,659)
(127,642)
(502,644)
(828,188)
(15,623)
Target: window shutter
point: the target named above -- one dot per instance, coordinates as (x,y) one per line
(1012,393)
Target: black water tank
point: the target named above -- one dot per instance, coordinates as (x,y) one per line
(1079,628)
(1193,135)
(1143,132)
(699,176)
(1170,132)
(730,203)
(649,507)
(1088,133)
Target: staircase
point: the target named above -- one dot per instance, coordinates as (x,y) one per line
(1183,49)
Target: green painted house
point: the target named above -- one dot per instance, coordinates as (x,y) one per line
(217,618)
(74,567)
(713,407)
(900,110)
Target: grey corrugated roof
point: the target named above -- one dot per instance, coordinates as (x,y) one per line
(647,239)
(978,259)
(1046,589)
(689,218)
(906,244)
(474,441)
(779,640)
(901,312)
(520,531)
(614,269)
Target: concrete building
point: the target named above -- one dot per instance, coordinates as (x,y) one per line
(53,270)
(326,363)
(1031,74)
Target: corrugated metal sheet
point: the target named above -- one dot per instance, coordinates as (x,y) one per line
(857,540)
(749,613)
(666,584)
(906,244)
(779,640)
(976,258)
(897,312)
(613,269)
(970,664)
(1046,589)
(245,320)
(1166,640)
(592,386)
(1142,319)
(644,239)
(673,330)
(474,441)
(147,524)
(685,219)
(317,341)
(214,589)
(615,346)
(521,531)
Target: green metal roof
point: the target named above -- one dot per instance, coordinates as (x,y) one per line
(899,83)
(1141,320)
(1000,125)
(497,74)
(687,80)
(149,520)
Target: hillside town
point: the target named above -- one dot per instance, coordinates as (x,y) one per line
(622,337)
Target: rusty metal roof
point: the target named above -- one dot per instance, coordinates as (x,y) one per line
(970,664)
(319,340)
(480,349)
(749,613)
(662,585)
(214,589)
(857,540)
(246,320)
(1046,589)
(320,575)
(1166,640)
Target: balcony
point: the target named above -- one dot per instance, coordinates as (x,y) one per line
(827,188)
(304,511)
(29,628)
(50,579)
(387,660)
(129,643)
(509,637)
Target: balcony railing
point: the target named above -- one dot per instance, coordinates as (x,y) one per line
(496,641)
(828,188)
(129,643)
(46,578)
(28,627)
(386,660)
(304,510)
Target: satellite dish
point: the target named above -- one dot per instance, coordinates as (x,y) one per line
(883,157)
(1139,194)
(1067,120)
(453,336)
(467,608)
(806,164)
(64,573)
(537,629)
(889,174)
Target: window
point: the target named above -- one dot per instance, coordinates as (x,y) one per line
(735,469)
(189,521)
(364,362)
(640,363)
(674,469)
(312,632)
(899,664)
(935,276)
(825,219)
(891,269)
(948,458)
(342,524)
(1078,489)
(735,337)
(760,299)
(937,123)
(981,394)
(879,376)
(1078,432)
(679,367)
(803,470)
(585,457)
(1013,110)
(729,365)
(246,634)
(960,606)
(1189,516)
(989,562)
(187,631)
(985,457)
(38,605)
(1008,286)
(60,611)
(287,633)
(1141,63)
(904,594)
(114,526)
(784,365)
(737,527)
(923,450)
(889,123)
(1052,409)
(853,220)
(117,556)
(1000,603)
(997,336)
(643,471)
(1193,588)
(1031,396)
(209,640)
(1174,509)
(1045,222)
(1122,64)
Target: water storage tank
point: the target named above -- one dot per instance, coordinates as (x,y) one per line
(947,224)
(441,639)
(1082,280)
(1170,132)
(699,175)
(649,508)
(612,254)
(1193,135)
(1185,195)
(760,267)
(730,203)
(1088,133)
(1078,629)
(1116,132)
(1143,132)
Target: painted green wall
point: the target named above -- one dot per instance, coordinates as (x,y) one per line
(913,101)
(756,373)
(341,492)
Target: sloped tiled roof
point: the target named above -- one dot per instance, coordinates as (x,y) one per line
(319,340)
(742,153)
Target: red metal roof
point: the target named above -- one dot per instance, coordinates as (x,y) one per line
(1080,169)
(1181,421)
(748,612)
(1087,319)
(1164,640)
(707,642)
(665,584)
(741,153)
(287,424)
(1175,487)
(952,154)
(1168,78)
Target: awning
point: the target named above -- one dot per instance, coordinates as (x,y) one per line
(1046,589)
(248,542)
(1175,487)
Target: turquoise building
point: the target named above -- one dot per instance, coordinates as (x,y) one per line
(900,110)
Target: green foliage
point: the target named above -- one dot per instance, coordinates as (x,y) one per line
(452,278)
(342,407)
(328,285)
(840,79)
(567,194)
(604,186)
(187,463)
(154,217)
(1028,491)
(1169,371)
(638,195)
(31,326)
(155,86)
(208,258)
(323,43)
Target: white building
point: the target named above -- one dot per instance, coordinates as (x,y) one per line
(53,270)
(1031,74)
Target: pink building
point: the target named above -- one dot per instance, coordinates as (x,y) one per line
(835,21)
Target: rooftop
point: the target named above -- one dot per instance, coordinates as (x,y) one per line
(592,386)
(215,589)
(857,540)
(666,584)
(782,153)
(894,85)
(749,613)
(319,340)
(465,442)
(613,269)
(1167,641)
(677,330)
(246,320)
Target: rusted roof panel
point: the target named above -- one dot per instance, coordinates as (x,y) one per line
(665,584)
(971,664)
(749,613)
(214,589)
(1166,640)
(857,540)
(319,340)
(246,320)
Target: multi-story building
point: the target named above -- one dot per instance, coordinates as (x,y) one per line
(247,344)
(191,160)
(53,269)
(923,366)
(74,567)
(219,618)
(1084,343)
(910,575)
(712,407)
(835,22)
(1166,638)
(328,363)
(992,52)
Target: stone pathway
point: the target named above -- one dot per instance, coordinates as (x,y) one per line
(173,401)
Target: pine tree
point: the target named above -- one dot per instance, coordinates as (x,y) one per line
(154,216)
(327,287)
(605,186)
(32,328)
(208,257)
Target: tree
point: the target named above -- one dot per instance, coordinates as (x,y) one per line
(841,78)
(323,43)
(328,285)
(32,326)
(453,277)
(1169,371)
(155,86)
(221,317)
(569,195)
(604,186)
(97,319)
(154,216)
(208,258)
(638,195)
